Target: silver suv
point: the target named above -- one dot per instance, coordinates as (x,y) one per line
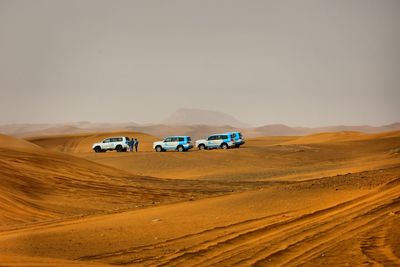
(119,143)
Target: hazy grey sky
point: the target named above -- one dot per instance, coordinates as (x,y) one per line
(308,63)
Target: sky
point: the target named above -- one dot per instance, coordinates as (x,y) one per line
(301,63)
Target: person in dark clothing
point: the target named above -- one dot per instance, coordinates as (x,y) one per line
(131,143)
(136,144)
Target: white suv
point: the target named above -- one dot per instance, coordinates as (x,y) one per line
(119,143)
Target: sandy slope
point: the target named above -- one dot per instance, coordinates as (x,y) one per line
(341,137)
(287,224)
(276,201)
(16,144)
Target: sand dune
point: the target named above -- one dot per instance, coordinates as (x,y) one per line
(38,185)
(327,199)
(83,142)
(341,137)
(328,137)
(15,143)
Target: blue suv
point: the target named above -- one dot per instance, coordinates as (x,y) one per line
(224,141)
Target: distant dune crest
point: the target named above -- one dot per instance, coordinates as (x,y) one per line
(196,123)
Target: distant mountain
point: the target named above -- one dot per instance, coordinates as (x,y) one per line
(193,130)
(280,129)
(187,116)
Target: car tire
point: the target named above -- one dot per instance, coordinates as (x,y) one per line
(119,148)
(224,146)
(180,148)
(159,149)
(97,149)
(202,147)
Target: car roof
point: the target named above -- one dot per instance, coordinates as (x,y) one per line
(219,134)
(177,136)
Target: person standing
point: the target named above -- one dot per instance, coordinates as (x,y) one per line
(131,144)
(136,144)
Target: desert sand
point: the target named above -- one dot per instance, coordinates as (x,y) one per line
(330,199)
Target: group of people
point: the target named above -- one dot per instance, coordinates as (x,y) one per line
(133,143)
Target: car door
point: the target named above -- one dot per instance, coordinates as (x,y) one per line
(106,144)
(113,143)
(210,141)
(213,141)
(167,143)
(174,142)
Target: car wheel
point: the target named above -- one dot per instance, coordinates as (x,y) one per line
(119,148)
(224,146)
(202,147)
(180,149)
(158,148)
(97,149)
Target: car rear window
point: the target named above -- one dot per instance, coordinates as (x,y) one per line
(181,139)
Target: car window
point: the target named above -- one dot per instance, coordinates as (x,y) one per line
(189,139)
(107,140)
(240,135)
(181,139)
(174,139)
(223,137)
(168,139)
(211,137)
(233,136)
(119,139)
